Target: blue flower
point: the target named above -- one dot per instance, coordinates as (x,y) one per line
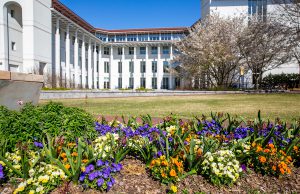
(38,144)
(99,163)
(109,185)
(100,182)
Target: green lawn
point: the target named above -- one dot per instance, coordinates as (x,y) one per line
(285,106)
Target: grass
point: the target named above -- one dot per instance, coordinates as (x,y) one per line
(285,106)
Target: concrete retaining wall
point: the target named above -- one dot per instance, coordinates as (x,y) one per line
(73,94)
(16,89)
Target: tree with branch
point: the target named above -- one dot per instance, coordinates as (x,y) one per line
(210,48)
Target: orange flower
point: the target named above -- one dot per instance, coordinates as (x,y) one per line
(63,155)
(266,150)
(164,163)
(262,159)
(282,152)
(67,166)
(65,159)
(85,161)
(173,173)
(71,144)
(199,152)
(282,170)
(259,149)
(271,145)
(274,168)
(296,148)
(288,170)
(253,144)
(75,154)
(163,175)
(152,163)
(289,159)
(59,148)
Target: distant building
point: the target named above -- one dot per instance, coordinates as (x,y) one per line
(46,37)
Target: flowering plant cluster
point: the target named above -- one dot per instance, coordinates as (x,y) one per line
(166,170)
(42,179)
(270,160)
(100,175)
(105,145)
(221,167)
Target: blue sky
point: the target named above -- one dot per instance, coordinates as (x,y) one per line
(124,14)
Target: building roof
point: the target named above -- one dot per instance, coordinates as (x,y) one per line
(63,9)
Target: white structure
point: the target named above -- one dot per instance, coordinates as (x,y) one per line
(229,8)
(45,37)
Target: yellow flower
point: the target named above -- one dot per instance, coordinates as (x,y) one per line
(75,154)
(2,163)
(31,192)
(68,166)
(174,189)
(82,169)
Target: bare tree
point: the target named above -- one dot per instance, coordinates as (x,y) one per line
(263,46)
(289,15)
(211,47)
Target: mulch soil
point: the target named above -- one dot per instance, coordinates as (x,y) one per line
(135,179)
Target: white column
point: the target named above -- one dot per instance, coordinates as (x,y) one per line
(83,62)
(160,69)
(68,57)
(57,54)
(125,70)
(76,60)
(171,81)
(149,73)
(137,70)
(101,69)
(95,66)
(113,71)
(89,68)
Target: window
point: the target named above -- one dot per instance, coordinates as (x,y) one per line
(131,67)
(166,36)
(142,50)
(120,51)
(143,37)
(154,83)
(106,67)
(143,82)
(120,82)
(154,50)
(120,67)
(102,37)
(154,36)
(12,13)
(178,36)
(131,82)
(131,37)
(106,84)
(121,38)
(143,66)
(13,46)
(111,38)
(166,50)
(258,7)
(166,67)
(131,50)
(165,83)
(177,82)
(106,51)
(154,66)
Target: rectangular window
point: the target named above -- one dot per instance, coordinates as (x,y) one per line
(166,67)
(12,13)
(143,82)
(143,66)
(154,50)
(13,46)
(166,36)
(131,82)
(121,38)
(131,37)
(106,84)
(142,50)
(154,83)
(120,51)
(154,37)
(131,50)
(106,51)
(120,67)
(120,82)
(111,38)
(106,67)
(154,66)
(143,37)
(131,67)
(166,50)
(165,83)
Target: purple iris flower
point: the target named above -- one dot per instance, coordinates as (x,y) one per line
(100,163)
(244,167)
(1,172)
(82,177)
(109,185)
(38,144)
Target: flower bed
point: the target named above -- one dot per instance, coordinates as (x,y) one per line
(222,149)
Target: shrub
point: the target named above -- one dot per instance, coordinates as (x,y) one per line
(32,122)
(283,81)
